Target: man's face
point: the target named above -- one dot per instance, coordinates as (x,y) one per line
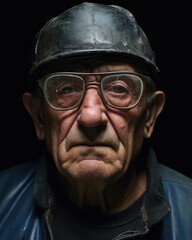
(94,142)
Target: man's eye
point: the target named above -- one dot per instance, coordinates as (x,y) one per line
(117,89)
(67,89)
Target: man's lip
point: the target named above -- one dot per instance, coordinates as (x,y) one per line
(92,144)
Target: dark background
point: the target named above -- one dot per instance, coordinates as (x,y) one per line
(167,25)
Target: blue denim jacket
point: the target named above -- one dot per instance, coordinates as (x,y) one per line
(19,218)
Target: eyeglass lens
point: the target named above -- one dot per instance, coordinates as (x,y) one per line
(67,91)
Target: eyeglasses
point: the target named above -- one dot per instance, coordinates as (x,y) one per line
(119,90)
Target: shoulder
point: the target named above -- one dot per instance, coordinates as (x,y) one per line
(16,201)
(17,175)
(16,180)
(22,168)
(178,192)
(172,177)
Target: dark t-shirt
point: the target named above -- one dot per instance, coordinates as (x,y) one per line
(73,223)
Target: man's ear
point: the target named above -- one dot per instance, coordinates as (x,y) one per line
(154,109)
(32,104)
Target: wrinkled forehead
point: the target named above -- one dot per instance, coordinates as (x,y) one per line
(92,64)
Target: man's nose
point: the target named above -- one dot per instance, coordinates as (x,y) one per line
(92,111)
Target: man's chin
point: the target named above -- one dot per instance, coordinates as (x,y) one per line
(91,169)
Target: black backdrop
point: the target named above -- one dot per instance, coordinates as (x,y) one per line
(166,23)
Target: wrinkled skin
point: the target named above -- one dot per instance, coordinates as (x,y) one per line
(92,146)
